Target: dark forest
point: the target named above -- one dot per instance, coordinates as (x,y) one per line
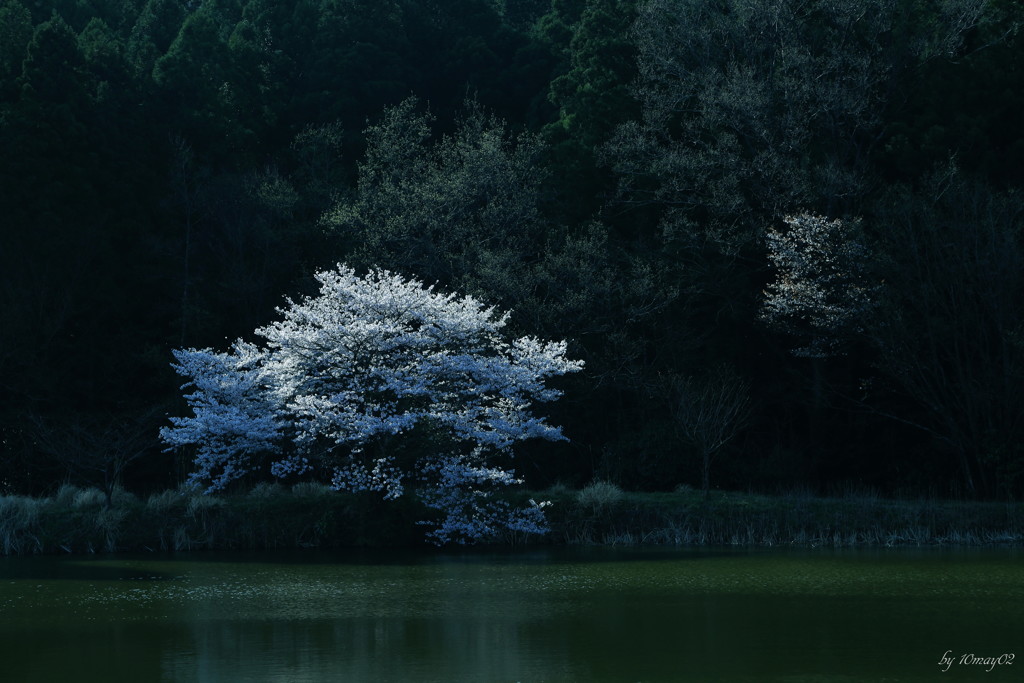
(787,234)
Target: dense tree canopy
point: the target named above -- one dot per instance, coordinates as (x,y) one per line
(684,190)
(378,383)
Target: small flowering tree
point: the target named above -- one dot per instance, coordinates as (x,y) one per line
(348,379)
(822,291)
(822,294)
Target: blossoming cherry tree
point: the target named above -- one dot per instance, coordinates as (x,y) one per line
(378,383)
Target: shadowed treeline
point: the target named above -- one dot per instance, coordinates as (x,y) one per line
(785,237)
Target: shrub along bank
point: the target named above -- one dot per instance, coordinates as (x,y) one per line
(268,517)
(313,516)
(602,514)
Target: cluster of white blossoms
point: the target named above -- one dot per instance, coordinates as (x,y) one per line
(385,476)
(293,465)
(366,361)
(460,491)
(822,291)
(235,417)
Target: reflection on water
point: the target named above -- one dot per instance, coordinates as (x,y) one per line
(559,615)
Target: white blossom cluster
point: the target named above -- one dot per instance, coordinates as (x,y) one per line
(368,360)
(235,417)
(293,465)
(461,489)
(385,476)
(822,291)
(469,512)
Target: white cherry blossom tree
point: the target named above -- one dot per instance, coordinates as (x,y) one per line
(378,383)
(822,292)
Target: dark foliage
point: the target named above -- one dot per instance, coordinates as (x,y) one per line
(170,170)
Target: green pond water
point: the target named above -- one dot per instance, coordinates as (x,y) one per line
(529,615)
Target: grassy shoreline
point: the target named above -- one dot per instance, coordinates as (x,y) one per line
(312,516)
(724,518)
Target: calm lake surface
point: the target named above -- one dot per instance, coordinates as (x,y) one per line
(530,615)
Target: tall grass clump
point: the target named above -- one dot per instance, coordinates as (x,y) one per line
(18,525)
(594,513)
(187,519)
(122,498)
(312,489)
(200,505)
(88,498)
(164,502)
(108,522)
(65,496)
(599,494)
(266,490)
